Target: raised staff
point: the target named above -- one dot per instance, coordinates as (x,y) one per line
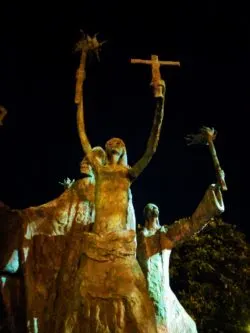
(86,45)
(206,136)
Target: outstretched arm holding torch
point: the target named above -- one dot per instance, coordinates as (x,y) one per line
(206,136)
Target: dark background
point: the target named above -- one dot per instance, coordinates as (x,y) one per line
(39,140)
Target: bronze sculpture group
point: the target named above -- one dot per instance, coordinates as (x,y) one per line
(83,264)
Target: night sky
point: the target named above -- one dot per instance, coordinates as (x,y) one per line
(39,140)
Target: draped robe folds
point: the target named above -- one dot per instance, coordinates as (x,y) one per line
(153,252)
(110,293)
(110,290)
(67,312)
(35,242)
(40,250)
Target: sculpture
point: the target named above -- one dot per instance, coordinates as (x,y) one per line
(206,136)
(77,253)
(33,242)
(67,183)
(155,244)
(112,287)
(154,249)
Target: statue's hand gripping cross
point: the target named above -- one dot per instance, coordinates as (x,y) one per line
(156,75)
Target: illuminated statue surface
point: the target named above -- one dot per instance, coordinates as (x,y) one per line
(33,245)
(72,261)
(155,243)
(110,290)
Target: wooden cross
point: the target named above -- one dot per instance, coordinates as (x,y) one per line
(156,75)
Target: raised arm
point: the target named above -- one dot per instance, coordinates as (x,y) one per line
(80,78)
(86,44)
(154,136)
(81,129)
(211,205)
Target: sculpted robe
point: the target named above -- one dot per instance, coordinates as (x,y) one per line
(40,251)
(110,292)
(35,242)
(153,252)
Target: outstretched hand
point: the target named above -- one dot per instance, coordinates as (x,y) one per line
(205,135)
(67,183)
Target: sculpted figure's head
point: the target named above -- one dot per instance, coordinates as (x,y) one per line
(85,167)
(151,215)
(116,151)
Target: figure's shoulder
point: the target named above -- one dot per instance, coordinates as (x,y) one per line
(78,184)
(82,190)
(9,218)
(141,231)
(163,228)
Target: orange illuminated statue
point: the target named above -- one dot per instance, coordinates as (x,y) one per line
(77,254)
(110,290)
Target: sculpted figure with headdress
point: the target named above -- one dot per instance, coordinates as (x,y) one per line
(34,251)
(155,243)
(110,291)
